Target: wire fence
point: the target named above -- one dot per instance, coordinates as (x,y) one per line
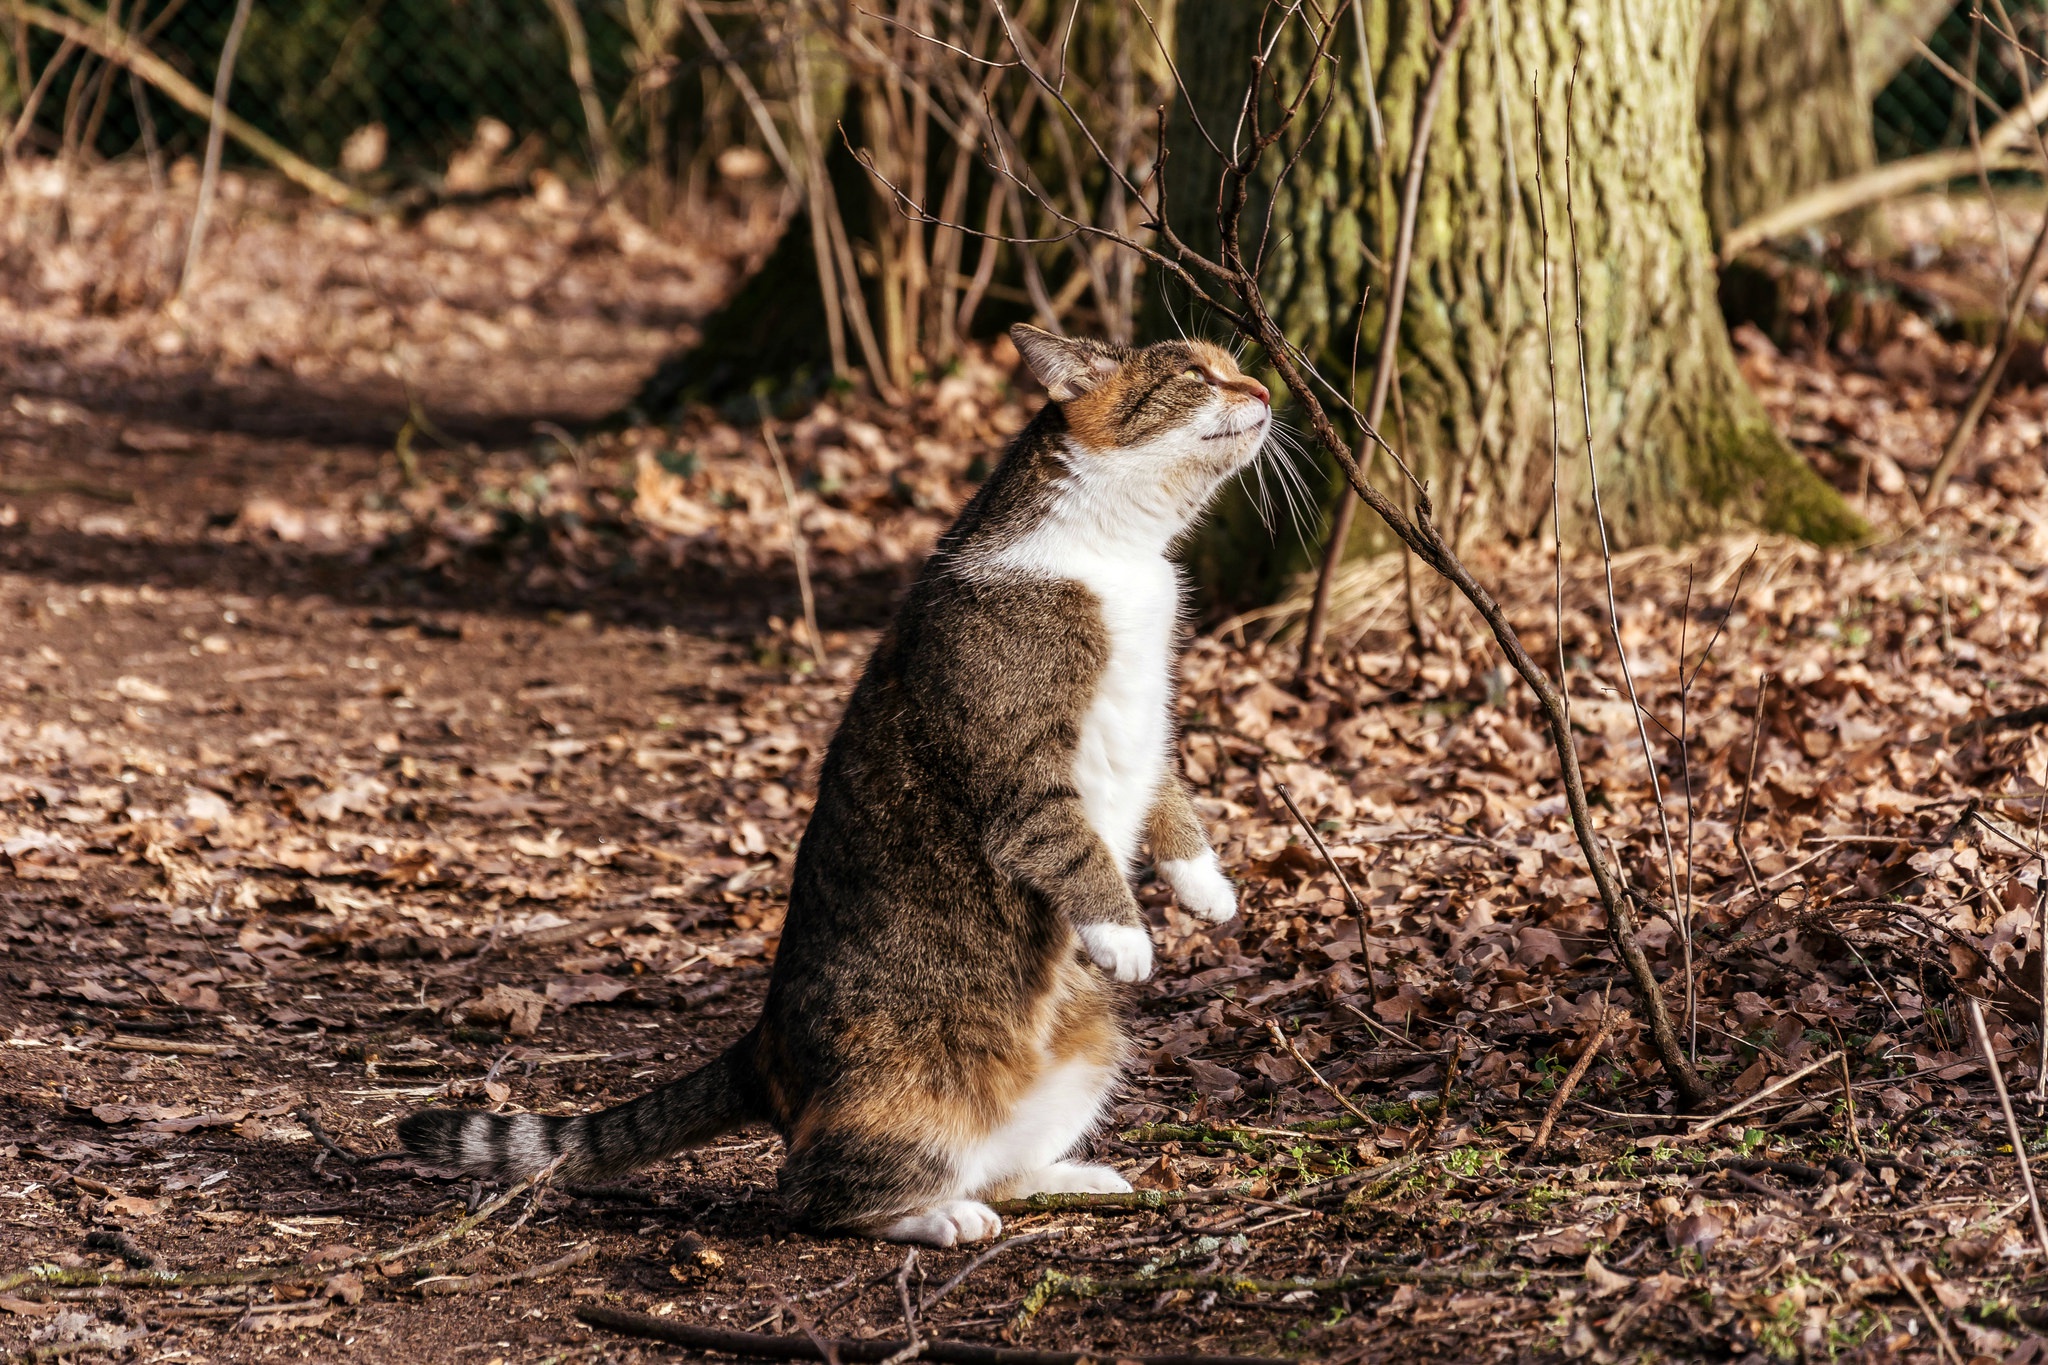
(422,74)
(1924,108)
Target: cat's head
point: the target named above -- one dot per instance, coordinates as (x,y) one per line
(1183,403)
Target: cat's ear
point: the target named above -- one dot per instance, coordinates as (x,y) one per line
(1067,366)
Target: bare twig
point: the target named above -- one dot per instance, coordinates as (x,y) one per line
(310,1116)
(216,134)
(57,1276)
(1286,1044)
(603,162)
(464,1284)
(798,550)
(1849,1102)
(1317,625)
(914,1347)
(116,45)
(1606,550)
(1756,734)
(1570,1083)
(1705,1126)
(937,1296)
(2008,341)
(824,1349)
(1134,1201)
(1888,181)
(2012,1123)
(1358,911)
(722,1341)
(1934,1322)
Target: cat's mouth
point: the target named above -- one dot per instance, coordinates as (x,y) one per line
(1230,432)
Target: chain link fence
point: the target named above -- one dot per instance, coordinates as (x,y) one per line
(1923,108)
(312,73)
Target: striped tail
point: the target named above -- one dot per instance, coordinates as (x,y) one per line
(714,1099)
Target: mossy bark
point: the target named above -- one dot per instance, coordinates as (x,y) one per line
(1681,444)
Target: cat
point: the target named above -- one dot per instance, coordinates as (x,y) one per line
(944,1022)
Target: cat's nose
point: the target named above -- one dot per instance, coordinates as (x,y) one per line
(1259,391)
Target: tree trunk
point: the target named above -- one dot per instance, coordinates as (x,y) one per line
(1889,30)
(1681,444)
(1782,106)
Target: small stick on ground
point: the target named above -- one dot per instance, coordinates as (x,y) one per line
(2012,1123)
(1948,1348)
(1426,1136)
(1286,1044)
(821,1348)
(720,1341)
(932,1300)
(1608,1019)
(56,1276)
(1849,1101)
(309,1115)
(798,550)
(915,1347)
(464,1284)
(1756,734)
(1134,1201)
(1350,896)
(1705,1126)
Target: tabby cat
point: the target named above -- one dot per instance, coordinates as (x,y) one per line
(944,1022)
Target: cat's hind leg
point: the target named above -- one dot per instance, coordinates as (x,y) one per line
(882,1185)
(1025,1155)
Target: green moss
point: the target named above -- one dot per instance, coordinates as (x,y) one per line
(1748,473)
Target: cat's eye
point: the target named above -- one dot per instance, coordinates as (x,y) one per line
(1193,372)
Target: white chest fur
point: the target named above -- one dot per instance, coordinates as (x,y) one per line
(1122,754)
(1123,750)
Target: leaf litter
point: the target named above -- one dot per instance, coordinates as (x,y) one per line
(343,775)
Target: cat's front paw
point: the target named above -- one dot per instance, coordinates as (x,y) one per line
(1201,887)
(1121,950)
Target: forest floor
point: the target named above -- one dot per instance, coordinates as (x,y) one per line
(373,734)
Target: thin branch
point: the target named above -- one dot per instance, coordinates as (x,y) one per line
(723,1341)
(2012,1123)
(1608,1019)
(1600,522)
(209,177)
(798,549)
(1705,1126)
(1895,178)
(1390,331)
(603,160)
(1941,1337)
(1358,911)
(467,1284)
(116,45)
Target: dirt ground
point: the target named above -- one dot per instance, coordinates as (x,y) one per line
(374,732)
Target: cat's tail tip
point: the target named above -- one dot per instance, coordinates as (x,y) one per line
(508,1145)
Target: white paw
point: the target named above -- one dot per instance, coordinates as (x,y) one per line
(1201,886)
(1071,1177)
(947,1224)
(1119,949)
